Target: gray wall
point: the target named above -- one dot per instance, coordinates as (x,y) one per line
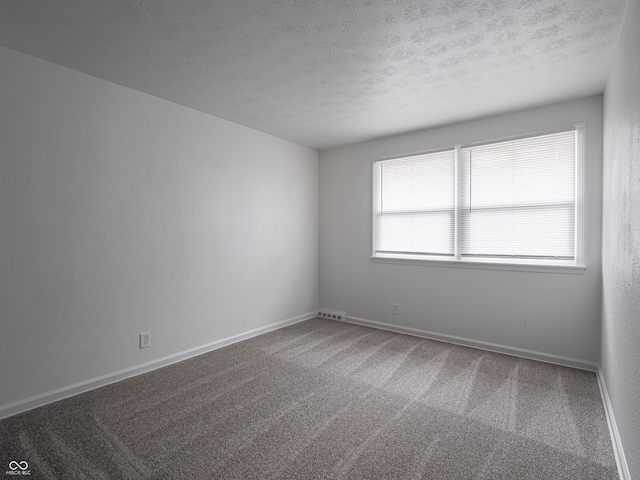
(122,213)
(621,238)
(555,314)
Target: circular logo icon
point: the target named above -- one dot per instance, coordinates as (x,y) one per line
(13,465)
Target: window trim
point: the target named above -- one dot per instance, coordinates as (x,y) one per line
(577,266)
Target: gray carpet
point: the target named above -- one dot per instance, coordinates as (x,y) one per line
(323,399)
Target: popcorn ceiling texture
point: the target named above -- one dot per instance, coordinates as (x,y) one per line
(328,72)
(621,239)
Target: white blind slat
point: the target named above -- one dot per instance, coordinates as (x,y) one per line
(415,204)
(518,198)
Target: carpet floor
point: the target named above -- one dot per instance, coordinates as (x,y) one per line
(325,399)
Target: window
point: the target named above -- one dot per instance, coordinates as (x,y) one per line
(510,201)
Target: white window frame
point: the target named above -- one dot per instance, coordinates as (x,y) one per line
(457,261)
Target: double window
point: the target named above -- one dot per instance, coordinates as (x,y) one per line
(510,201)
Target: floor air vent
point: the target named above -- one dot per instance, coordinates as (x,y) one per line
(332,315)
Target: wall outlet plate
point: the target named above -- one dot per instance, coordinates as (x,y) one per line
(145,340)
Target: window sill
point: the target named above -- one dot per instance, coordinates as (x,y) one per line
(484,265)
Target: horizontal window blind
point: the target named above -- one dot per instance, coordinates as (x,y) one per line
(518,198)
(414,205)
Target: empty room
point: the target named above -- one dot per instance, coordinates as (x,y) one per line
(339,239)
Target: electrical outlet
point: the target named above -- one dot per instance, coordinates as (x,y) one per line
(395,308)
(145,340)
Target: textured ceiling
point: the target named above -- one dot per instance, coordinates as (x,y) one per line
(324,73)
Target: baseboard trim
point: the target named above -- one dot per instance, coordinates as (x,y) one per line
(492,347)
(618,451)
(42,399)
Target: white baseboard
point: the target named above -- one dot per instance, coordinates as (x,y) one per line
(42,399)
(621,462)
(618,451)
(492,347)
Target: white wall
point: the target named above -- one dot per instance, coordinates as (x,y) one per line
(555,314)
(621,238)
(122,213)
